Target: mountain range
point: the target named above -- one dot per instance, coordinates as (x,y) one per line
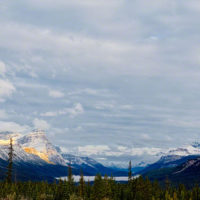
(181,165)
(36,158)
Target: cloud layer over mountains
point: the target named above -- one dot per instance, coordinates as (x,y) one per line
(111,79)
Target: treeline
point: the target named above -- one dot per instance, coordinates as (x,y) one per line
(103,188)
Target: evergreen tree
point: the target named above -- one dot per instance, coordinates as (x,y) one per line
(167,183)
(65,190)
(88,190)
(70,179)
(106,189)
(102,189)
(97,189)
(82,186)
(10,163)
(59,190)
(129,171)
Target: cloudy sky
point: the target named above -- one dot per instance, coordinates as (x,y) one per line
(114,80)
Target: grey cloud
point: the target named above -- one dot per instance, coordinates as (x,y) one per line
(127,71)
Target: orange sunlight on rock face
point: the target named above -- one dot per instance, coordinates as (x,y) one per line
(43,156)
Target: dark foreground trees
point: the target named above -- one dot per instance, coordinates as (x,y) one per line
(103,188)
(10,162)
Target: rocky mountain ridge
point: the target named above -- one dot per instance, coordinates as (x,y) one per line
(35,154)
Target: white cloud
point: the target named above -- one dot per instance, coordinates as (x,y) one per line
(33,74)
(114,56)
(126,107)
(13,127)
(50,114)
(122,148)
(40,124)
(65,150)
(92,92)
(2,68)
(93,150)
(183,122)
(3,114)
(116,45)
(6,89)
(56,94)
(61,3)
(78,128)
(145,137)
(104,105)
(88,91)
(145,150)
(76,110)
(104,150)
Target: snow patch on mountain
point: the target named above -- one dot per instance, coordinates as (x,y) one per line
(37,149)
(77,160)
(38,142)
(193,149)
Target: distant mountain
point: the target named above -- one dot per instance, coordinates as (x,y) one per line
(181,165)
(36,158)
(187,173)
(175,157)
(193,149)
(88,165)
(169,161)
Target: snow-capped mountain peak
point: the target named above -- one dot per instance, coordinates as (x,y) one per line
(37,143)
(34,150)
(185,151)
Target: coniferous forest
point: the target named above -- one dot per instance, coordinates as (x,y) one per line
(102,188)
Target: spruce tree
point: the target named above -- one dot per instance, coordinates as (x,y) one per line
(65,194)
(82,186)
(59,190)
(10,163)
(88,190)
(97,188)
(129,171)
(167,183)
(70,179)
